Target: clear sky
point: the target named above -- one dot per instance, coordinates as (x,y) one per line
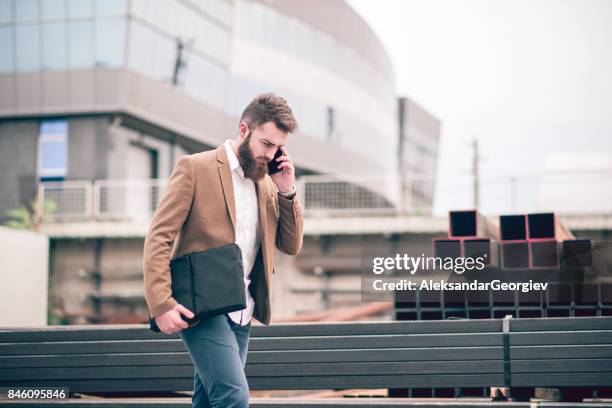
(528,78)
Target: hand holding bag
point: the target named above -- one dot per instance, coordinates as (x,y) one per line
(209,282)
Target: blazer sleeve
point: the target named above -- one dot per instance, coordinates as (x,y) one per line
(167,221)
(290,230)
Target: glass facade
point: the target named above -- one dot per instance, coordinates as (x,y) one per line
(312,117)
(145,36)
(267,26)
(204,28)
(7,48)
(311,114)
(49,35)
(210,36)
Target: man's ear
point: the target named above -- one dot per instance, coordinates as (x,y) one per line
(243,130)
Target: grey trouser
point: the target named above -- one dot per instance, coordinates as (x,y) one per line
(218,348)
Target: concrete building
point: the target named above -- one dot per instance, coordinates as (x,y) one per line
(100,98)
(419,137)
(141,83)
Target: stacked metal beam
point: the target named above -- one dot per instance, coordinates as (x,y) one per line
(520,247)
(467,237)
(522,241)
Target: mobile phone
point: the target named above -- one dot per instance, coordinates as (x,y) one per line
(273,164)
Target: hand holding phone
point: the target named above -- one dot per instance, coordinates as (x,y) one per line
(282,171)
(273,164)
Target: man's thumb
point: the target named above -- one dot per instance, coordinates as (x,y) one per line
(185,311)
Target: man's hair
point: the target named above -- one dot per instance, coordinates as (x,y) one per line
(268,107)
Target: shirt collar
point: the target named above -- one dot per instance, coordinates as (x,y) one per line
(233,160)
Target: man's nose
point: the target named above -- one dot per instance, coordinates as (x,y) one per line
(270,154)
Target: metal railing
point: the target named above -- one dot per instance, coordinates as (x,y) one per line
(103,200)
(363,195)
(337,195)
(73,199)
(129,199)
(344,195)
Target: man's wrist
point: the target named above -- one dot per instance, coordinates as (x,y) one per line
(289,194)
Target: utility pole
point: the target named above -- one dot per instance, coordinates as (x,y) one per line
(475,174)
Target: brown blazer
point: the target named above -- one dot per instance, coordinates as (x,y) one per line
(197,212)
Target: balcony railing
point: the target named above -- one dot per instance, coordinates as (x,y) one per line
(103,200)
(337,195)
(363,195)
(73,199)
(347,195)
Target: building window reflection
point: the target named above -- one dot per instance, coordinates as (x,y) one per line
(53,150)
(53,46)
(103,7)
(6,10)
(7,62)
(80,40)
(80,8)
(26,10)
(53,9)
(110,36)
(27,46)
(61,34)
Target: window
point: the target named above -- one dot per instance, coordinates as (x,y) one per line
(53,46)
(6,45)
(53,9)
(53,150)
(110,33)
(111,6)
(80,8)
(28,48)
(80,36)
(6,10)
(150,53)
(205,81)
(26,10)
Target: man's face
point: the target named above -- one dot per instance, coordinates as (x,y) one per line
(258,146)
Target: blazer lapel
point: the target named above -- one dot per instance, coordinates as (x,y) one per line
(225,173)
(261,202)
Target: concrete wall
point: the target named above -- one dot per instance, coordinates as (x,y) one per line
(98,279)
(89,145)
(24,276)
(18,146)
(72,268)
(123,138)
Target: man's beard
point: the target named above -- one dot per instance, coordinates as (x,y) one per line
(253,168)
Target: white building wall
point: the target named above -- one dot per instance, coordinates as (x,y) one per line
(24,261)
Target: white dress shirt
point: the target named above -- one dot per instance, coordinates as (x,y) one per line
(248,237)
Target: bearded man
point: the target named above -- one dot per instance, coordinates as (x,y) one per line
(212,199)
